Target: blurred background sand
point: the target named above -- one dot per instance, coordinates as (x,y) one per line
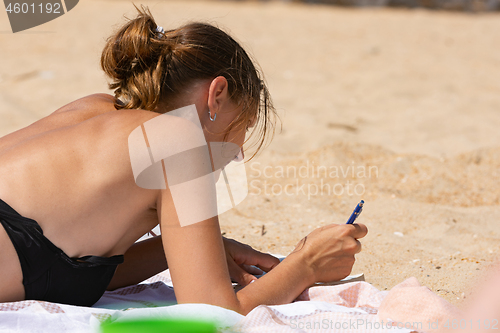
(411,95)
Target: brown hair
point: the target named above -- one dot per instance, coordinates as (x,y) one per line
(147,67)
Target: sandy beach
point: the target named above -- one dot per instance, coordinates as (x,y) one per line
(399,107)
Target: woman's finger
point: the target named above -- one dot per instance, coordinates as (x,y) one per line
(253,270)
(239,275)
(264,261)
(360,230)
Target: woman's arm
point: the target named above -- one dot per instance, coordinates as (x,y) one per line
(142,261)
(147,258)
(199,271)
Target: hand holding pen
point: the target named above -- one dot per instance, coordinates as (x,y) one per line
(331,248)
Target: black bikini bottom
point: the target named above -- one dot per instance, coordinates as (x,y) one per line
(48,273)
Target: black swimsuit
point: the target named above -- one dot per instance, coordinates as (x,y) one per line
(48,273)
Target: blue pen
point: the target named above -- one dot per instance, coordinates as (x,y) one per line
(356,212)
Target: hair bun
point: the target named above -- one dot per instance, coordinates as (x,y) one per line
(132,54)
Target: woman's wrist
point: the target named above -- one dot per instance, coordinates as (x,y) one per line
(301,261)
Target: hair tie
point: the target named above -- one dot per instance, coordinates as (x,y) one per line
(160,31)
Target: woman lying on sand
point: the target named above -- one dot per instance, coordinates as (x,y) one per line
(71,210)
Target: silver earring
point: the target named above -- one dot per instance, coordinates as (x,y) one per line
(210,116)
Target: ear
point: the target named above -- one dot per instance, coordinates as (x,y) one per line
(218,94)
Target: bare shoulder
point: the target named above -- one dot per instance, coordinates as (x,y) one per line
(89,102)
(93,109)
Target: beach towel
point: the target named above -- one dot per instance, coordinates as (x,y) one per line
(350,307)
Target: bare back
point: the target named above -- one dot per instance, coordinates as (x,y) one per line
(71,173)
